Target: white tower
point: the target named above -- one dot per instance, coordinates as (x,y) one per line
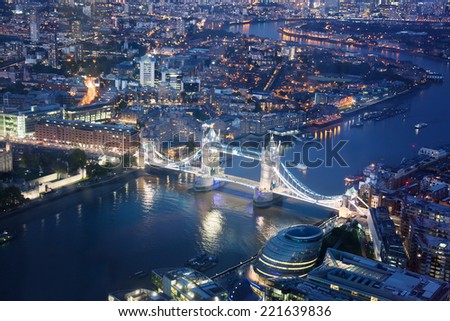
(147,71)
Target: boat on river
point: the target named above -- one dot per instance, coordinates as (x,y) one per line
(202,262)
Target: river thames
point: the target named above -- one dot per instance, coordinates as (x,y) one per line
(84,246)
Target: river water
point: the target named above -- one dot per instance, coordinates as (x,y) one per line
(86,245)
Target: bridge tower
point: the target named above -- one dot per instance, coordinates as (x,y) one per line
(148,149)
(349,196)
(210,162)
(270,162)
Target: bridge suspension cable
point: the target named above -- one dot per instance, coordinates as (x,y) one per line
(295,186)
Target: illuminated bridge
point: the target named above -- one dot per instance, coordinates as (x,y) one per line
(206,165)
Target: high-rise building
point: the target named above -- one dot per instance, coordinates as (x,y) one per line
(53,52)
(173,78)
(76,29)
(387,244)
(6,159)
(180,26)
(147,71)
(320,98)
(426,230)
(34,28)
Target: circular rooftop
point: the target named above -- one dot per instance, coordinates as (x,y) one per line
(292,252)
(303,232)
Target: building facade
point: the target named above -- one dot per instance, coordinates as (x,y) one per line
(186,284)
(365,279)
(426,233)
(147,71)
(387,243)
(120,139)
(6,159)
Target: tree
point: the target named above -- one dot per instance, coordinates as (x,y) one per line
(95,170)
(10,197)
(129,160)
(200,114)
(77,159)
(190,145)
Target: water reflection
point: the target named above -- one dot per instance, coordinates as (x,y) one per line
(80,211)
(147,194)
(57,217)
(126,191)
(265,229)
(211,228)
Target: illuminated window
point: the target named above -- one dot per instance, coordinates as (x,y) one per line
(334,287)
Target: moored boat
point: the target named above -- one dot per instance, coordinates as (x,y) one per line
(202,262)
(421,125)
(6,236)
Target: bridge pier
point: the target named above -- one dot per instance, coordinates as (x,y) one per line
(204,183)
(262,198)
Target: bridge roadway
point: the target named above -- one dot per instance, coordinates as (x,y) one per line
(237,180)
(335,205)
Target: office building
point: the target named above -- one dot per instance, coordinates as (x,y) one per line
(387,243)
(426,230)
(13,125)
(292,252)
(92,113)
(147,71)
(173,78)
(34,28)
(365,279)
(301,289)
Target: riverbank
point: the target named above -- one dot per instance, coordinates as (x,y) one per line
(77,192)
(256,20)
(290,33)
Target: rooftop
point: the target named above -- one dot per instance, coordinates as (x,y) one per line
(374,279)
(303,232)
(196,285)
(88,126)
(138,295)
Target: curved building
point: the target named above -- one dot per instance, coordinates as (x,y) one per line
(292,252)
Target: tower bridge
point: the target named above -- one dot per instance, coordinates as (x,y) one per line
(275,178)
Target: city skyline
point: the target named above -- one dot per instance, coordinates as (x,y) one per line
(225,150)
